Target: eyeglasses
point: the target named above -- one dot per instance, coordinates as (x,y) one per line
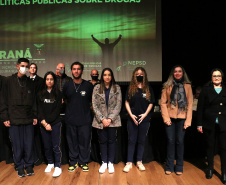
(216,76)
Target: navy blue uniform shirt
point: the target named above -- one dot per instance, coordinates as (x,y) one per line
(139,104)
(78,98)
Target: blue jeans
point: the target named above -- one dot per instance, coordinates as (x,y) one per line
(175,142)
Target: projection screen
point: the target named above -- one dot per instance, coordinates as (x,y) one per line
(120,34)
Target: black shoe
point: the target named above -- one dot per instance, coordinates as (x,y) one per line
(30,171)
(21,172)
(223,177)
(209,174)
(37,162)
(84,167)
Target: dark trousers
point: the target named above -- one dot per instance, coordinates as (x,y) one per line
(22,139)
(5,145)
(175,142)
(38,146)
(107,140)
(64,146)
(137,135)
(51,141)
(78,138)
(211,136)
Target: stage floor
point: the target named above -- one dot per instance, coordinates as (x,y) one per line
(154,174)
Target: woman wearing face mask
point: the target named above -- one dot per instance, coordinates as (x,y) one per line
(176,108)
(212,120)
(139,102)
(49,106)
(107,101)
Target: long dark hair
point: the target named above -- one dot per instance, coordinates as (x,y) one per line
(112,83)
(54,92)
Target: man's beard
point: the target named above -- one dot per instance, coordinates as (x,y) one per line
(77,77)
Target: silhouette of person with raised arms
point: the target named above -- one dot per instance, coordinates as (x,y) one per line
(107,50)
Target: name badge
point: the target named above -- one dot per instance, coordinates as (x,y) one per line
(144,95)
(48,101)
(83,93)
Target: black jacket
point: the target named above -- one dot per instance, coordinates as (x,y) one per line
(49,108)
(38,83)
(212,105)
(18,100)
(1,80)
(61,81)
(1,96)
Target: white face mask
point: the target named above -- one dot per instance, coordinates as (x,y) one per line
(23,70)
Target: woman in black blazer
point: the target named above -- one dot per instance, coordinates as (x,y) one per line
(212,120)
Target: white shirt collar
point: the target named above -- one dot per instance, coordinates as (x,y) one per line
(33,77)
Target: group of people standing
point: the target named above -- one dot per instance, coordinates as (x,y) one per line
(24,104)
(176,109)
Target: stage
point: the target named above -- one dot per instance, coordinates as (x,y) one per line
(154,174)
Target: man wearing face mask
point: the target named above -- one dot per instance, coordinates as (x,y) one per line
(62,78)
(18,113)
(94,75)
(38,83)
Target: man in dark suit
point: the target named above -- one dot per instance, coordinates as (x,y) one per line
(38,81)
(1,125)
(38,84)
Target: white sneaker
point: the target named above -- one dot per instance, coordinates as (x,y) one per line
(49,168)
(103,167)
(57,172)
(127,167)
(111,168)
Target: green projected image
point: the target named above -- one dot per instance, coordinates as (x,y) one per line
(121,36)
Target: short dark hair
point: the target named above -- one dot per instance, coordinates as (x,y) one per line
(77,63)
(35,66)
(22,60)
(217,69)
